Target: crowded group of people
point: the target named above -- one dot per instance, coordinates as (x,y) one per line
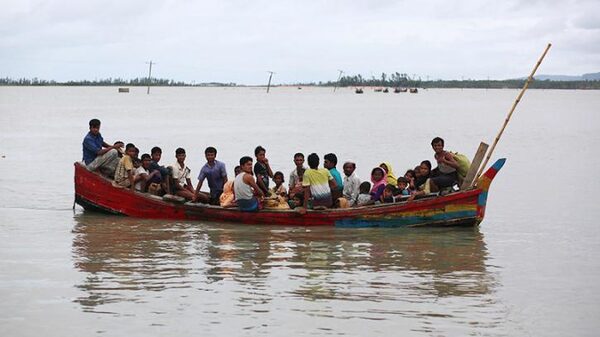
(311,187)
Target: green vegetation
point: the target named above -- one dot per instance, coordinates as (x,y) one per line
(393,80)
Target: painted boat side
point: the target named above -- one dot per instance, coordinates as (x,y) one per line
(94,192)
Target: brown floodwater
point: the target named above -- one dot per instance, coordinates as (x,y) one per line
(530,269)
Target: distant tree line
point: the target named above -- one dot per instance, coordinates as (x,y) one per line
(140,81)
(403,80)
(393,80)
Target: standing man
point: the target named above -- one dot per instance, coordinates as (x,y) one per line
(97,154)
(215,172)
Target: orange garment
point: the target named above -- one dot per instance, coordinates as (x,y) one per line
(227,198)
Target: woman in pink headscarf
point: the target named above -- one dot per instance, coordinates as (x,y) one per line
(378,178)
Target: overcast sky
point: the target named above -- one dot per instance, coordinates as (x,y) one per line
(239,41)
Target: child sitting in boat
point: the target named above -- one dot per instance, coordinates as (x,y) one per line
(182,183)
(279,188)
(364,197)
(278,195)
(403,189)
(388,194)
(143,175)
(124,172)
(227,198)
(262,169)
(378,178)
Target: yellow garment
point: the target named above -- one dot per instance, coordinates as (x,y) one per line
(227,197)
(391,178)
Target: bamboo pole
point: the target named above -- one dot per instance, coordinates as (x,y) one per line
(489,155)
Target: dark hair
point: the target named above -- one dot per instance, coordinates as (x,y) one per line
(378,169)
(129,146)
(180,150)
(299,154)
(244,160)
(364,187)
(411,172)
(350,163)
(258,149)
(210,149)
(402,180)
(146,156)
(390,187)
(155,150)
(137,151)
(278,174)
(136,161)
(237,168)
(427,163)
(313,160)
(437,140)
(94,123)
(299,195)
(331,157)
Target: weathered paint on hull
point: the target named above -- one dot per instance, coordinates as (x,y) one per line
(94,192)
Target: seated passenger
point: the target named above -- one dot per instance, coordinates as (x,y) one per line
(364,197)
(297,200)
(142,174)
(162,177)
(410,176)
(125,171)
(227,198)
(330,163)
(295,182)
(180,174)
(390,177)
(247,192)
(445,175)
(423,182)
(278,189)
(351,186)
(403,189)
(378,178)
(215,173)
(97,154)
(318,183)
(262,169)
(388,194)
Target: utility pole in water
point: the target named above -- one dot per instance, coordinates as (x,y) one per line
(338,80)
(269,84)
(149,76)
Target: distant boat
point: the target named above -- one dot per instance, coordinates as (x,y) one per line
(386,90)
(414,90)
(123,90)
(299,88)
(358,90)
(378,89)
(398,89)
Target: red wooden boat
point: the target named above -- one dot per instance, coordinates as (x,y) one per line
(466,208)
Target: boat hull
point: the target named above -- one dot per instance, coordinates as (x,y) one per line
(465,208)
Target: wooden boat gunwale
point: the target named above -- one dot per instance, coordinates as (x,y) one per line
(95,192)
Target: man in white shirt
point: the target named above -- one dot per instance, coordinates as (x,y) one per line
(351,185)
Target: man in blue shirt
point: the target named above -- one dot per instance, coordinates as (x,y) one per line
(98,155)
(215,172)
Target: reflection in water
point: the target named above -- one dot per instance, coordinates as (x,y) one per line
(255,266)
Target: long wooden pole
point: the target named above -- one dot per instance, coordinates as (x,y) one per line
(489,155)
(269,84)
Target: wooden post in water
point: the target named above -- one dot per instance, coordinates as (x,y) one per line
(489,155)
(149,76)
(269,84)
(338,80)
